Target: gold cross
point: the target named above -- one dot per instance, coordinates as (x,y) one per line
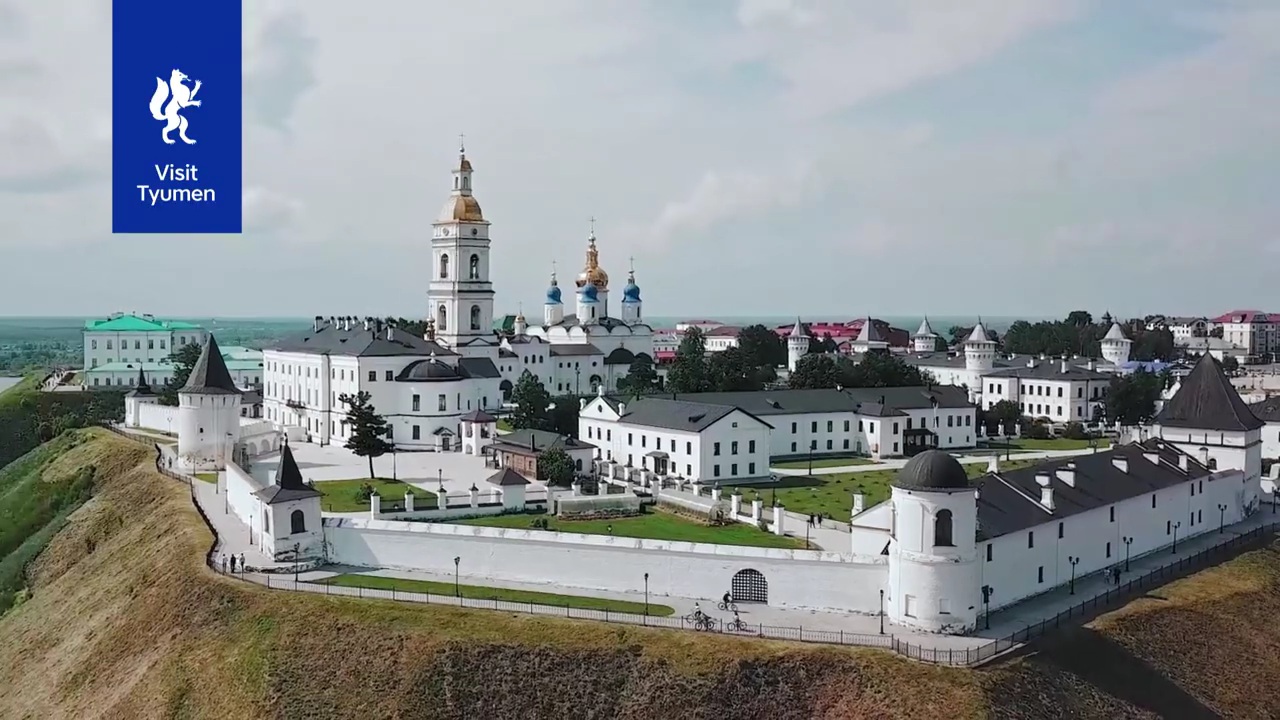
(462,145)
(593,224)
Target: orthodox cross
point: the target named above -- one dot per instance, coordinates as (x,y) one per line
(462,145)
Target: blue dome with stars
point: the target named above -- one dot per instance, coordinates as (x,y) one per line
(588,292)
(631,293)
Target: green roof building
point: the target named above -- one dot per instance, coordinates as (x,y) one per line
(137,339)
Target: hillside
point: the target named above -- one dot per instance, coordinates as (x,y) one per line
(125,622)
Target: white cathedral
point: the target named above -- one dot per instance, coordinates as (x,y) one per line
(428,387)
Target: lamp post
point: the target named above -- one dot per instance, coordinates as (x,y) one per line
(1127,542)
(1074,561)
(1175,536)
(646,593)
(881,611)
(986,603)
(1222,513)
(813,445)
(393,463)
(577,380)
(806,536)
(296,548)
(457,592)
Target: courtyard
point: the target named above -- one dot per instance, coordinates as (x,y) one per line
(831,494)
(651,524)
(425,472)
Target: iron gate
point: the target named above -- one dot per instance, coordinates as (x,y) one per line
(750,586)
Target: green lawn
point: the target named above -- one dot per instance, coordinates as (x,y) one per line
(504,425)
(653,525)
(208,477)
(490,593)
(826,462)
(343,495)
(1052,444)
(833,494)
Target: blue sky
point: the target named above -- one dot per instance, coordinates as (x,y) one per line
(756,157)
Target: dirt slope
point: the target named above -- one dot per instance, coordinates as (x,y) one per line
(124,622)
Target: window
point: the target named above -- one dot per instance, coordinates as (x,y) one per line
(1193,489)
(813,426)
(151,344)
(1108,549)
(830,426)
(895,426)
(859,426)
(715,471)
(417,403)
(989,546)
(1153,500)
(1061,530)
(715,449)
(733,448)
(942,529)
(417,433)
(751,446)
(673,444)
(1200,516)
(162,343)
(733,470)
(388,376)
(629,439)
(474,272)
(1040,574)
(751,468)
(846,426)
(297,523)
(793,447)
(951,419)
(475,317)
(442,403)
(644,442)
(373,376)
(846,443)
(137,344)
(793,428)
(1031,539)
(108,344)
(1113,513)
(444,266)
(1059,391)
(1168,527)
(688,448)
(93,345)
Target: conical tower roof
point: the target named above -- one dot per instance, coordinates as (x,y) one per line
(141,388)
(210,374)
(979,334)
(925,330)
(869,333)
(288,484)
(1115,333)
(797,330)
(1207,401)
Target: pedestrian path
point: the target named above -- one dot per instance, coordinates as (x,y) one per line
(897,463)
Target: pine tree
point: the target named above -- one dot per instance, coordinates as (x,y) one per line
(184,360)
(368,428)
(531,400)
(689,373)
(641,377)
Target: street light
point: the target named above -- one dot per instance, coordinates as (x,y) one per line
(1175,536)
(646,594)
(881,611)
(1222,512)
(1127,542)
(296,547)
(986,602)
(1074,561)
(393,463)
(456,591)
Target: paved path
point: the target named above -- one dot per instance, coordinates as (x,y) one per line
(896,463)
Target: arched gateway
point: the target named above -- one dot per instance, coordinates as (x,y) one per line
(749,586)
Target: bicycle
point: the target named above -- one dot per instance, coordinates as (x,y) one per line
(730,606)
(736,625)
(700,621)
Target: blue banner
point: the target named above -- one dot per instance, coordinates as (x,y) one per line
(176,157)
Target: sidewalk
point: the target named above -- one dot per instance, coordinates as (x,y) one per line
(896,463)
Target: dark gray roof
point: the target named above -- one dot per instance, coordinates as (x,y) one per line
(478,416)
(570,349)
(537,441)
(506,477)
(932,470)
(1009,501)
(378,341)
(1207,401)
(477,367)
(619,356)
(141,389)
(429,370)
(1050,369)
(288,484)
(680,414)
(505,353)
(1268,410)
(865,401)
(210,375)
(605,322)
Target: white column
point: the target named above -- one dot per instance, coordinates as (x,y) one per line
(442,500)
(375,506)
(778,515)
(576,488)
(859,501)
(408,501)
(715,494)
(735,503)
(757,511)
(475,496)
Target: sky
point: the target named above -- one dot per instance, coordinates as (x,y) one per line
(831,158)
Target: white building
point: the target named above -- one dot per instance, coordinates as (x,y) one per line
(1183,328)
(244,364)
(208,414)
(797,345)
(128,338)
(1256,332)
(1056,389)
(1268,411)
(878,422)
(284,517)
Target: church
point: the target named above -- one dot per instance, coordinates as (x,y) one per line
(425,386)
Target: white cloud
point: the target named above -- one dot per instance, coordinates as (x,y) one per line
(280,69)
(267,212)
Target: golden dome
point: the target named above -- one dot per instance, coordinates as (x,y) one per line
(462,207)
(592,272)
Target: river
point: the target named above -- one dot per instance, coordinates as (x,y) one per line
(8,382)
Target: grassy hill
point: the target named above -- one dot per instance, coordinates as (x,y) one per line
(124,621)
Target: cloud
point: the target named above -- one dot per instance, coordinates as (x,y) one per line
(266,212)
(34,162)
(281,70)
(13,25)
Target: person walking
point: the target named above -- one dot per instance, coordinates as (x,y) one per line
(243,566)
(233,563)
(224,564)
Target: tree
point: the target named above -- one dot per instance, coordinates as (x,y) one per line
(690,373)
(882,370)
(958,334)
(1151,345)
(562,416)
(763,347)
(1004,415)
(815,372)
(555,468)
(940,344)
(641,376)
(532,401)
(368,428)
(1216,332)
(731,370)
(413,327)
(1079,318)
(1230,364)
(1131,400)
(183,360)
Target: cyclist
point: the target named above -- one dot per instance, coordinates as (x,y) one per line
(727,599)
(697,610)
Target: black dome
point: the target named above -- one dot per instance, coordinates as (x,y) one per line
(620,356)
(428,370)
(932,470)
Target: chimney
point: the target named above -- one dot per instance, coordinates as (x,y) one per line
(1067,474)
(1185,467)
(1151,457)
(882,401)
(859,501)
(1031,362)
(622,409)
(1043,356)
(582,404)
(600,390)
(366,323)
(316,325)
(1046,492)
(1121,463)
(1093,364)
(1065,366)
(391,332)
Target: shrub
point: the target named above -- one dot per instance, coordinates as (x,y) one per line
(1075,431)
(1036,431)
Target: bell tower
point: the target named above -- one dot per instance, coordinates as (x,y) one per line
(460,292)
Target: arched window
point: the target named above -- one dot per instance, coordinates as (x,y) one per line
(442,319)
(466,183)
(444,266)
(475,267)
(1213,463)
(475,317)
(942,529)
(297,523)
